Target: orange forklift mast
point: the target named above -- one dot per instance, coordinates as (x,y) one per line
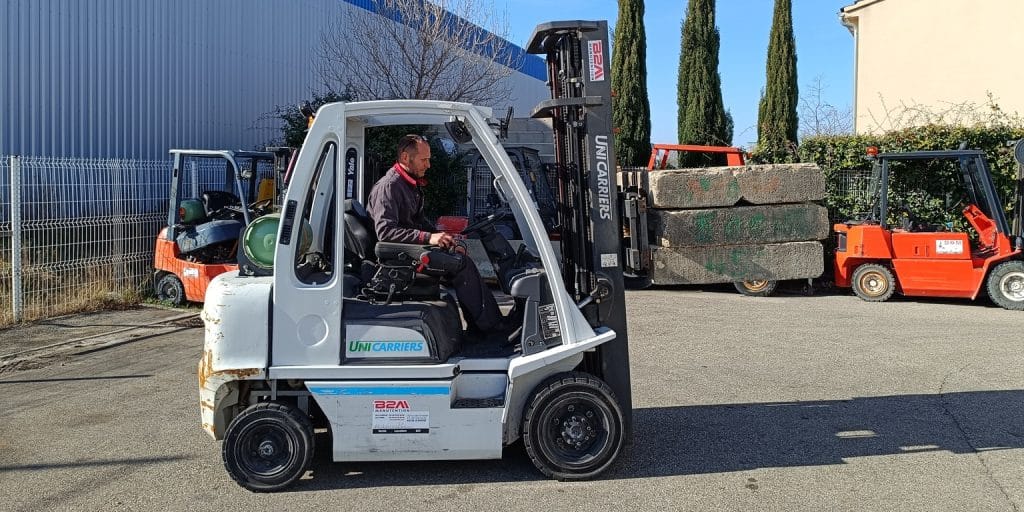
(660,154)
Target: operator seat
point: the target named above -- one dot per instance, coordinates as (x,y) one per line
(361,256)
(214,200)
(360,236)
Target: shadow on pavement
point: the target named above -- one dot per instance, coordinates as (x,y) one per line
(68,379)
(670,441)
(141,461)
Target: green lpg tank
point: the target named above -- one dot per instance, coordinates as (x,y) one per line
(260,239)
(191,211)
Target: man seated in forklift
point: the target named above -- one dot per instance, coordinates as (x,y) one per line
(396,207)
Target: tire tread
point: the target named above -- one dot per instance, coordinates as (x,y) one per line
(544,390)
(304,423)
(992,284)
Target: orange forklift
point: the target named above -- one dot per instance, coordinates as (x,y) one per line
(877,258)
(213,196)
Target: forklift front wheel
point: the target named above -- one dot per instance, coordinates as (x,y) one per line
(1006,285)
(756,287)
(170,289)
(572,428)
(268,446)
(873,282)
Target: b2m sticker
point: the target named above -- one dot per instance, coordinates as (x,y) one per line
(949,247)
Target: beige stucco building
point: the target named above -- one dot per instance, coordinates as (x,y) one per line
(918,58)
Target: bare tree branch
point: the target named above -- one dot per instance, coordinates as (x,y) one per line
(452,50)
(818,116)
(967,114)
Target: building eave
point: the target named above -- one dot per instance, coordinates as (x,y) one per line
(858,5)
(849,21)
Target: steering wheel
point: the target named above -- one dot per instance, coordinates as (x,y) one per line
(482,224)
(910,220)
(259,206)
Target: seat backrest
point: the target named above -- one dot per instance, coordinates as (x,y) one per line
(214,200)
(360,237)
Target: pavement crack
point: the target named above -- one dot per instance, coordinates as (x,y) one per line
(978,454)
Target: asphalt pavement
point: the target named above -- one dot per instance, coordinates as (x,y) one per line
(781,403)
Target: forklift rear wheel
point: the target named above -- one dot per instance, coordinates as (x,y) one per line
(170,289)
(1006,285)
(756,287)
(572,428)
(873,282)
(268,446)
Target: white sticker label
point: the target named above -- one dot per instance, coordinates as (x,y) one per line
(549,327)
(609,260)
(190,272)
(400,421)
(949,247)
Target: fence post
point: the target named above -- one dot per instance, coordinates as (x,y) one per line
(16,238)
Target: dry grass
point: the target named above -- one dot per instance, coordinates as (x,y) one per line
(49,293)
(75,269)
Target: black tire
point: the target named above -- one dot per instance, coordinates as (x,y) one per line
(268,446)
(1006,285)
(873,282)
(169,289)
(572,429)
(756,287)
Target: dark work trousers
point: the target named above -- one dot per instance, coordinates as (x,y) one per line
(475,299)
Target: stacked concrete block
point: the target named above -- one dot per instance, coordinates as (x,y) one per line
(717,187)
(729,263)
(726,224)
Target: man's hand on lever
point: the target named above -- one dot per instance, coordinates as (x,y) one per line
(442,240)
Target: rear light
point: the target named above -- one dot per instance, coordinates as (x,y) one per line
(841,242)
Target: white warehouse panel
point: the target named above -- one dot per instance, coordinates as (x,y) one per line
(134,78)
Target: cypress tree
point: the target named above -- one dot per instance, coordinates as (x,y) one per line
(777,121)
(702,118)
(631,110)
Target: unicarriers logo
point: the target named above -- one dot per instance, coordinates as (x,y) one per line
(385,346)
(604,202)
(596,60)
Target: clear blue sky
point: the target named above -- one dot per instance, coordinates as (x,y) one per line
(824,48)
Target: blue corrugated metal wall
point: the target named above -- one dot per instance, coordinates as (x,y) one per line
(133,78)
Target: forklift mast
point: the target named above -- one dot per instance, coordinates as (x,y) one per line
(591,228)
(1018,200)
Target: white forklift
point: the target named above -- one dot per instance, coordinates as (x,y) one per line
(324,327)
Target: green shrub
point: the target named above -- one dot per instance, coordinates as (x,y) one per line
(930,191)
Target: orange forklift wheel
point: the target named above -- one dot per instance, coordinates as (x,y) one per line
(756,287)
(170,289)
(1006,285)
(873,282)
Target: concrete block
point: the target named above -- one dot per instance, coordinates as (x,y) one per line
(726,264)
(739,225)
(725,186)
